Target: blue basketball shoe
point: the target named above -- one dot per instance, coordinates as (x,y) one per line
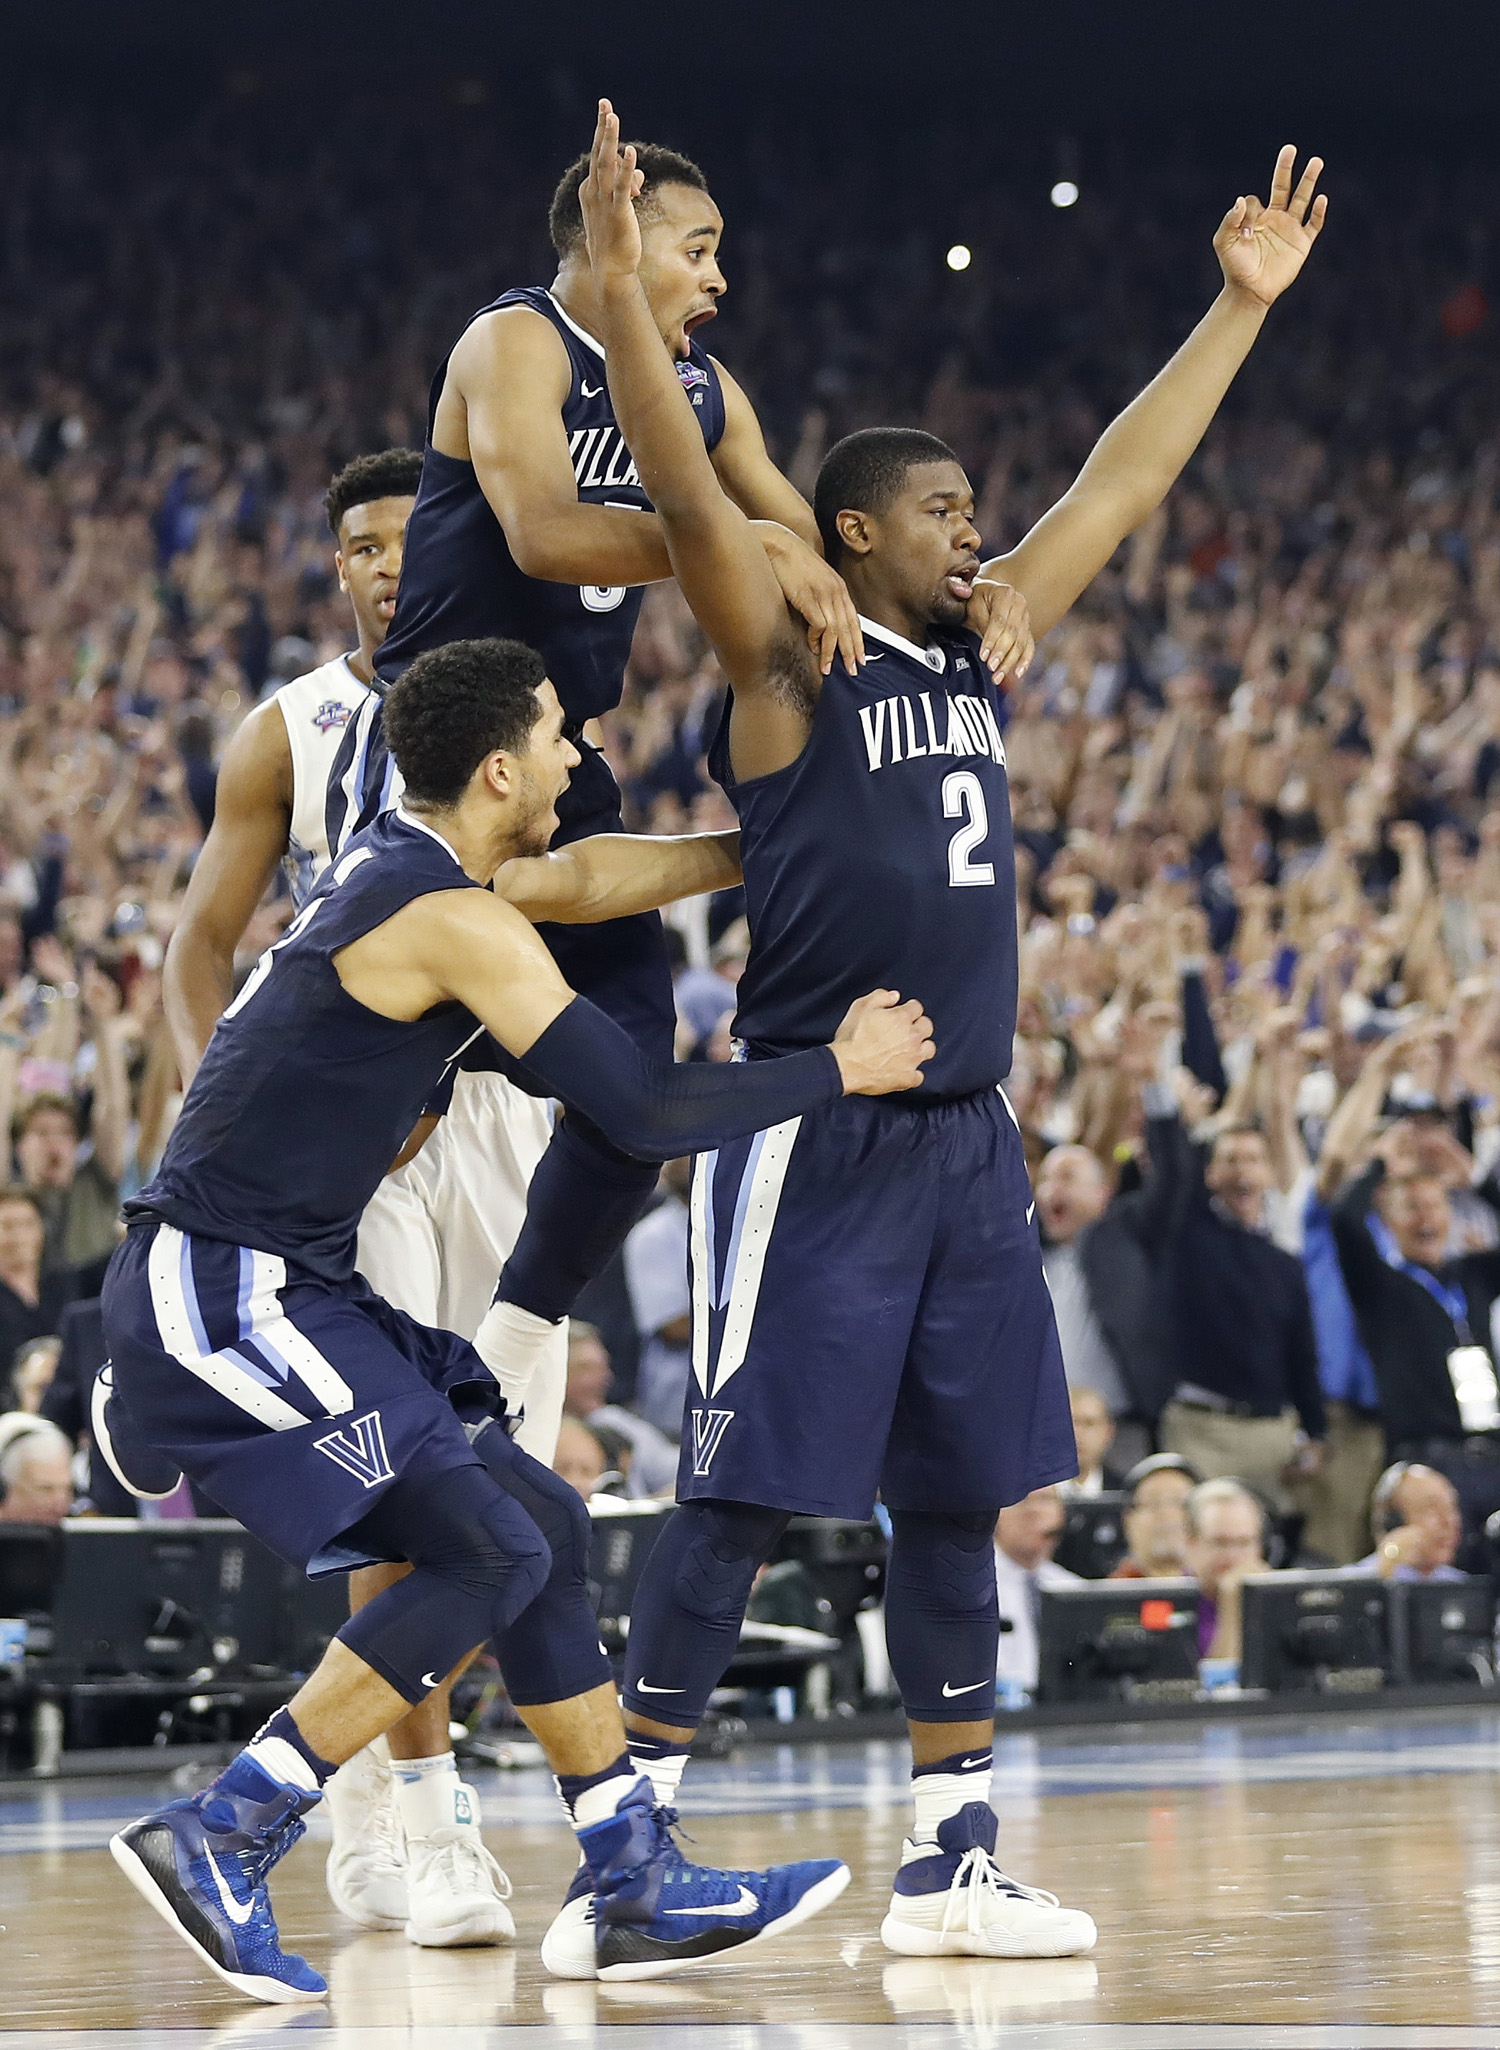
(140,1469)
(654,1913)
(203,1864)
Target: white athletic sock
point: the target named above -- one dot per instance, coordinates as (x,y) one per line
(938,1795)
(513,1342)
(284,1762)
(598,1803)
(428,1794)
(664,1772)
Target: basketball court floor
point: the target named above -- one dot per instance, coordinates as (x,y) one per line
(1332,1882)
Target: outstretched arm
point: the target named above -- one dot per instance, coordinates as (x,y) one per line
(1139,457)
(615,875)
(716,558)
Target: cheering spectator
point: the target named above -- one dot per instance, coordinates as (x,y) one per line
(32,1300)
(1245,1362)
(1103,1292)
(579,1458)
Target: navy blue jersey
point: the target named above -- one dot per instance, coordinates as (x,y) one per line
(882,858)
(305,1097)
(459,580)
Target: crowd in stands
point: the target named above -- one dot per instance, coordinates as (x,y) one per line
(1255,774)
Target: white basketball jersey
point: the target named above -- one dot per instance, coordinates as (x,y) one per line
(318,709)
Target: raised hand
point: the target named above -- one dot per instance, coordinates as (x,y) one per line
(607,198)
(882,1044)
(817,594)
(1262,248)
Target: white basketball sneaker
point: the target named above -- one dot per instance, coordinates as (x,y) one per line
(366,1868)
(568,1949)
(952,1900)
(456,1892)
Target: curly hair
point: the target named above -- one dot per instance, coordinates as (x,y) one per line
(864,472)
(455,705)
(391,473)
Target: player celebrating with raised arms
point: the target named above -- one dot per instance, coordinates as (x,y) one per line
(342,1432)
(869,1310)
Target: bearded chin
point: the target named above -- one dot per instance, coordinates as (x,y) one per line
(947,610)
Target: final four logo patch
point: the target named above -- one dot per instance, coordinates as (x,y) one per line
(330,714)
(691,373)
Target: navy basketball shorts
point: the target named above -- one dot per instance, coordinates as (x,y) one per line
(291,1401)
(870,1314)
(621,965)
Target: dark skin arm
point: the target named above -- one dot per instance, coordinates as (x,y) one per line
(501,409)
(252,823)
(714,553)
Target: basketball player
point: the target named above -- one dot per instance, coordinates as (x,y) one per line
(531,522)
(340,1431)
(407,1851)
(869,1309)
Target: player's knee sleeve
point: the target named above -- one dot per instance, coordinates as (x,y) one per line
(478,1560)
(942,1620)
(550,1651)
(584,1198)
(685,1622)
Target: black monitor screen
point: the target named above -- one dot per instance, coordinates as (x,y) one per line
(1121,1640)
(1443,1630)
(30,1562)
(1093,1539)
(1313,1632)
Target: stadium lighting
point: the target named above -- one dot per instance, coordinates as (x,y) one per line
(1064,193)
(960,257)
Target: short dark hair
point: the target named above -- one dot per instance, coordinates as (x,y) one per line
(455,705)
(47,1101)
(659,167)
(391,473)
(863,473)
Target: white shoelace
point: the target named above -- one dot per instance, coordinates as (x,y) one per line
(982,1886)
(382,1837)
(470,1868)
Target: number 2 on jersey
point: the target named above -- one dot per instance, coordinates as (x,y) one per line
(963,798)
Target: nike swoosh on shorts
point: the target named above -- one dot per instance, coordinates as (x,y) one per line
(973,1688)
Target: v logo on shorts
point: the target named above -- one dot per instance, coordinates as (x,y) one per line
(359,1448)
(709,1426)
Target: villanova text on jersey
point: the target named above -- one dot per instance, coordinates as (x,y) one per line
(459,580)
(883,858)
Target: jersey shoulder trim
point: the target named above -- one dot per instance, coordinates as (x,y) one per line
(325,698)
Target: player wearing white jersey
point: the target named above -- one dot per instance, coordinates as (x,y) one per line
(407,1850)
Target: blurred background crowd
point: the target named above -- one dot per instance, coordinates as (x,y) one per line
(1255,774)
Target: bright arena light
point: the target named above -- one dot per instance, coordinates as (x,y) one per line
(1064,193)
(959,257)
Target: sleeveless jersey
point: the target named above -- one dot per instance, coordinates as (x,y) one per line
(317,709)
(459,580)
(882,858)
(305,1097)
